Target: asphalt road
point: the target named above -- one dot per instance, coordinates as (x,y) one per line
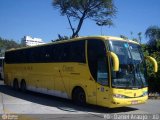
(32,105)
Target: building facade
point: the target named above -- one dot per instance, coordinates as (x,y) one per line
(29,41)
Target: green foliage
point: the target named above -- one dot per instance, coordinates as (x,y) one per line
(140,37)
(60,38)
(8,44)
(154,78)
(153,47)
(136,39)
(100,11)
(124,37)
(145,49)
(153,33)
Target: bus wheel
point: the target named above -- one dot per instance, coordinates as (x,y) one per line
(79,96)
(15,85)
(23,86)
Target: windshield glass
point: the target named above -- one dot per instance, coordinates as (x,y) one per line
(132,72)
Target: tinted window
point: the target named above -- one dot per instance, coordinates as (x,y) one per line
(70,52)
(64,52)
(97,61)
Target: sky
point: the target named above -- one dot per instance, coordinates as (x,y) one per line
(38,18)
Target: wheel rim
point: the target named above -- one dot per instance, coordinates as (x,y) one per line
(81,97)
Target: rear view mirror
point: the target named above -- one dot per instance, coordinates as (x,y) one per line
(154,62)
(115,60)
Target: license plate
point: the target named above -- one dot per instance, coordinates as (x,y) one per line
(134,102)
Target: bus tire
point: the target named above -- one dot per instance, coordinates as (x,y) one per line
(23,86)
(79,96)
(15,84)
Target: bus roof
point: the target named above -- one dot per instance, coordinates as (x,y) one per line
(80,38)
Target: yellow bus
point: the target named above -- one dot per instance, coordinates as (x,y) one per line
(101,70)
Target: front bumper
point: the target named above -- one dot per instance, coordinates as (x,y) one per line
(121,102)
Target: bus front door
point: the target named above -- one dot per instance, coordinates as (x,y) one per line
(102,83)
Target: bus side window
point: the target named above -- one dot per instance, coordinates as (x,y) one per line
(72,52)
(77,52)
(97,61)
(66,52)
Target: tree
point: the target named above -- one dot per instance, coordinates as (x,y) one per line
(152,49)
(100,11)
(8,44)
(153,33)
(135,39)
(61,38)
(140,37)
(124,37)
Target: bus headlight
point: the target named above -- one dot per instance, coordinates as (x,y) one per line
(118,96)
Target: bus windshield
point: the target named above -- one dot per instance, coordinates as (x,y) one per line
(132,68)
